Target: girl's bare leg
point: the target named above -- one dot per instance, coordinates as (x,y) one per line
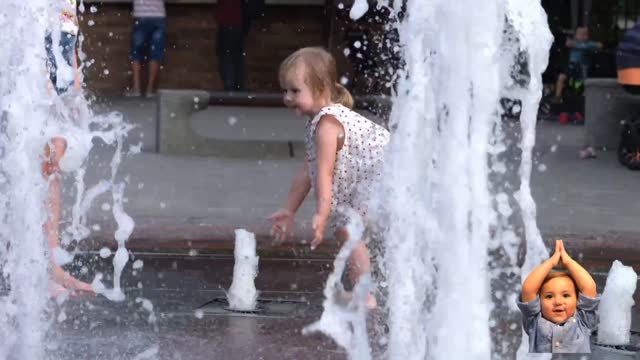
(53,152)
(359,263)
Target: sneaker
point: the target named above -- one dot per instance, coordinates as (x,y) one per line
(579,118)
(564,118)
(588,153)
(151,94)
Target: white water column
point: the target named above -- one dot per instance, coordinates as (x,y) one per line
(23,110)
(437,197)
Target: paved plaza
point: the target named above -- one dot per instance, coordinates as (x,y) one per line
(197,198)
(186,208)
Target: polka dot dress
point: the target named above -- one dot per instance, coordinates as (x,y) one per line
(358,162)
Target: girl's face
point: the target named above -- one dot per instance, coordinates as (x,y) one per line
(558,299)
(298,95)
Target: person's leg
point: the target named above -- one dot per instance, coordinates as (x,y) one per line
(68,52)
(225,58)
(237,57)
(359,263)
(562,79)
(154,69)
(136,68)
(158,38)
(136,55)
(53,152)
(240,57)
(52,68)
(77,81)
(241,63)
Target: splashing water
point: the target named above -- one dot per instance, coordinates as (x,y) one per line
(30,116)
(359,8)
(344,318)
(445,201)
(614,311)
(242,294)
(448,204)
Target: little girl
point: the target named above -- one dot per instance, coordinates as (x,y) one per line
(60,45)
(559,310)
(344,153)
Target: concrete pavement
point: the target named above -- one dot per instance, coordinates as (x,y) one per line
(179,198)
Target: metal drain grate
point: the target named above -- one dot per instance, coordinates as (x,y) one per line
(616,352)
(600,352)
(266,307)
(631,348)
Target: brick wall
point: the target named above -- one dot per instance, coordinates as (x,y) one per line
(190,60)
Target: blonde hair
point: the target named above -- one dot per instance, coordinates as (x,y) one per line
(320,73)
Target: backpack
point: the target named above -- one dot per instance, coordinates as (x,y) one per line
(629,147)
(254,8)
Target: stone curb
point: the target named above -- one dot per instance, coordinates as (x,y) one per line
(181,236)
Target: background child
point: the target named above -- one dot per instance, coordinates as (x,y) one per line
(559,310)
(579,50)
(60,44)
(149,27)
(344,152)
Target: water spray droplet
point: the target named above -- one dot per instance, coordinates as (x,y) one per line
(105,252)
(138,264)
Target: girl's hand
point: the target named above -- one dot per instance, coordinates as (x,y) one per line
(319,223)
(63,283)
(83,287)
(282,224)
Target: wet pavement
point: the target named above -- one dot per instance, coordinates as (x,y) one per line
(175,329)
(175,309)
(187,208)
(174,198)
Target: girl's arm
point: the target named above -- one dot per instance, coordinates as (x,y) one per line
(327,132)
(76,72)
(531,286)
(583,279)
(300,187)
(283,219)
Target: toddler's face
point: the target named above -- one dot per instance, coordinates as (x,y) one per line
(297,94)
(558,299)
(582,34)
